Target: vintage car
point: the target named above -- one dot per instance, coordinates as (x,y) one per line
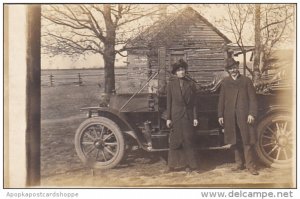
(138,120)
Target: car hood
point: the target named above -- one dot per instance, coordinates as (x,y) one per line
(139,103)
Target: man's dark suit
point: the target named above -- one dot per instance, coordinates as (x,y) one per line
(237,100)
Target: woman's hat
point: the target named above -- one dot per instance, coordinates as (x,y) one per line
(230,63)
(180,64)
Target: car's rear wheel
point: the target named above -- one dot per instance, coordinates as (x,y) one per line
(99,143)
(276,141)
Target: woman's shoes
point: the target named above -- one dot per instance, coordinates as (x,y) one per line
(188,170)
(169,170)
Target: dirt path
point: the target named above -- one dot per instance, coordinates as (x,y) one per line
(149,172)
(61,167)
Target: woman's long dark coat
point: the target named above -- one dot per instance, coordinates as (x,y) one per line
(181,110)
(237,100)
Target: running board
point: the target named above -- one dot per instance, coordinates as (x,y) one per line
(228,146)
(154,150)
(208,132)
(225,147)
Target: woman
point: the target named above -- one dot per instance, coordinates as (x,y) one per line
(182,116)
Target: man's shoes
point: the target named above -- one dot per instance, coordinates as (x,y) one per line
(253,171)
(238,168)
(189,170)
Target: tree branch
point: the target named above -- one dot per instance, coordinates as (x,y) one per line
(58,22)
(118,52)
(276,22)
(137,18)
(94,24)
(75,44)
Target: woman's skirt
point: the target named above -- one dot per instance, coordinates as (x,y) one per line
(184,154)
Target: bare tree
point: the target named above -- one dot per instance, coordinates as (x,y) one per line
(277,25)
(238,25)
(76,29)
(239,17)
(264,25)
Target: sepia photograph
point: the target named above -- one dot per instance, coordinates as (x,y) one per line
(150,95)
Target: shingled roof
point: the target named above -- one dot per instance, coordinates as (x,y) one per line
(165,29)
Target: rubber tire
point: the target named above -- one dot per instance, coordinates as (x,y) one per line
(263,157)
(119,137)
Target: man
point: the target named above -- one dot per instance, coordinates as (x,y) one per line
(237,111)
(182,116)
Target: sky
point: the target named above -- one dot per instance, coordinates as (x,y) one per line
(212,13)
(87,61)
(96,61)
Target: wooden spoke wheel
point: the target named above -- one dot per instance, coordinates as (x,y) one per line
(99,143)
(276,141)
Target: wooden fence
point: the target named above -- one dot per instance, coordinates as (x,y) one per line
(124,84)
(79,79)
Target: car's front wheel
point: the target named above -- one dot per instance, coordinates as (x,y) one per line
(99,143)
(276,140)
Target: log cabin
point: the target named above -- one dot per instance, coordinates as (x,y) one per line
(183,35)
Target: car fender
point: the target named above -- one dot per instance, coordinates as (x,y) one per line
(116,116)
(273,109)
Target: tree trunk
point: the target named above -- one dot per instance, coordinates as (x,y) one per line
(257,49)
(109,53)
(109,69)
(244,62)
(245,67)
